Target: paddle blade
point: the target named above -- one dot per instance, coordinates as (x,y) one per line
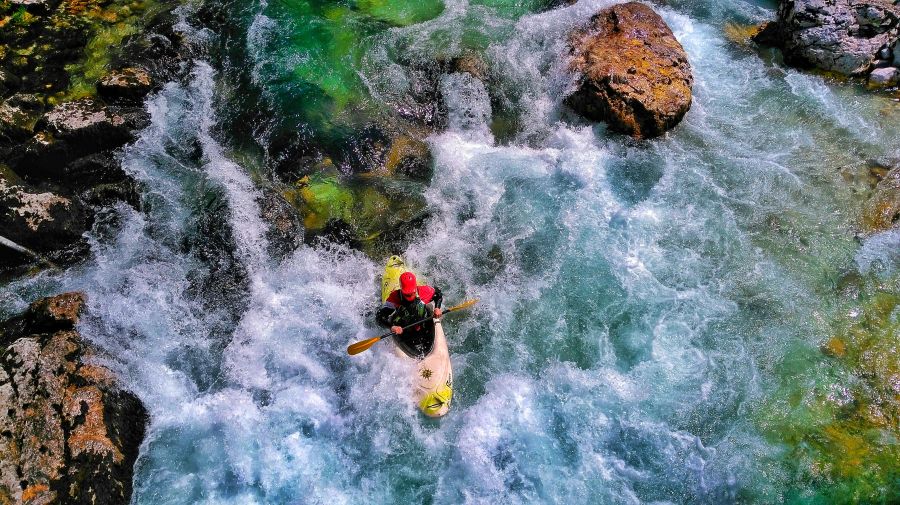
(464,305)
(362,345)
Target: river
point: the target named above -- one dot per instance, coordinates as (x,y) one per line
(651,313)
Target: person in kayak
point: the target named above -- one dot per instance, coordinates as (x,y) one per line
(407,305)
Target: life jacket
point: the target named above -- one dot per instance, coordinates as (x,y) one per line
(410,311)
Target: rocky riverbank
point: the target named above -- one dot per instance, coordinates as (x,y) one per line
(73,75)
(856,38)
(68,432)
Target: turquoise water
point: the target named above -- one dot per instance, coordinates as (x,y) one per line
(649,314)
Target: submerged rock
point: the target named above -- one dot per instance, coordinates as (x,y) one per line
(633,73)
(883,210)
(843,36)
(373,213)
(285,231)
(70,433)
(410,157)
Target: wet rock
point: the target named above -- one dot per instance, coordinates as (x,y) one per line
(93,170)
(633,73)
(472,64)
(285,232)
(768,34)
(27,102)
(884,77)
(843,36)
(410,157)
(882,211)
(70,433)
(72,130)
(43,221)
(16,124)
(8,82)
(363,150)
(82,120)
(159,49)
(421,103)
(336,231)
(128,84)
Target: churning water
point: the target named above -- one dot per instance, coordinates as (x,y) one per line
(646,308)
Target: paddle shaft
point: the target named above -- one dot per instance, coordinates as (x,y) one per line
(417,323)
(365,344)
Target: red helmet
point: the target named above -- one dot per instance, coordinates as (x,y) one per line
(407,283)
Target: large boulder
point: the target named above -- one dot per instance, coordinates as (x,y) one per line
(69,433)
(633,73)
(850,37)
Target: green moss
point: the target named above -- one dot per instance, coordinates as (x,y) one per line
(108,26)
(85,74)
(370,204)
(325,198)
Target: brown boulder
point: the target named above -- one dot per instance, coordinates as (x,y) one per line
(68,432)
(633,73)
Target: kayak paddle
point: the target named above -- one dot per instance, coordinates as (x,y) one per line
(362,345)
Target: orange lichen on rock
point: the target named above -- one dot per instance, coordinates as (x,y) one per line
(83,409)
(633,73)
(38,493)
(64,308)
(97,375)
(71,434)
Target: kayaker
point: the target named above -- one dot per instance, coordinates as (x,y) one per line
(407,305)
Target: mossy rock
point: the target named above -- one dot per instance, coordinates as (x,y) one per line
(373,210)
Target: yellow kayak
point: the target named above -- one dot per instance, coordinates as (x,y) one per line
(433,376)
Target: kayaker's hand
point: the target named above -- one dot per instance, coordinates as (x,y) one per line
(437,312)
(397,329)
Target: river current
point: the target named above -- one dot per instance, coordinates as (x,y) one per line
(649,312)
